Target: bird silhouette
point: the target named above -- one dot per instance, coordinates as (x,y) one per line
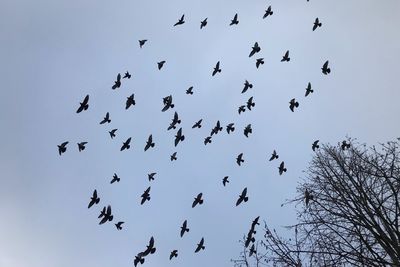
(216,69)
(150,249)
(242,109)
(200,246)
(184,228)
(106,119)
(102,212)
(142,42)
(81,146)
(247,130)
(203,23)
(197,200)
(255,49)
(316,24)
(130,101)
(126,144)
(268,12)
(308,196)
(225,180)
(252,251)
(242,197)
(94,199)
(180,21)
(247,85)
(138,259)
(173,254)
(309,90)
(62,148)
(282,168)
(189,91)
(173,156)
(151,176)
(259,61)
(235,20)
(207,140)
(175,121)
(145,196)
(292,104)
(119,225)
(107,215)
(345,145)
(230,128)
(149,143)
(286,57)
(112,133)
(315,145)
(160,64)
(325,69)
(217,128)
(254,223)
(249,238)
(167,103)
(197,124)
(117,83)
(250,103)
(115,179)
(274,156)
(179,137)
(127,75)
(84,105)
(239,159)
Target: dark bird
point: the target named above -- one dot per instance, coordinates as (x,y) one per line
(198,200)
(259,61)
(242,109)
(84,105)
(316,24)
(106,119)
(180,21)
(225,180)
(242,197)
(102,212)
(107,215)
(216,69)
(325,69)
(127,75)
(274,156)
(150,249)
(175,121)
(160,64)
(345,145)
(149,143)
(249,238)
(252,251)
(130,101)
(115,179)
(151,176)
(268,12)
(282,168)
(315,145)
(146,195)
(142,42)
(197,124)
(250,103)
(293,103)
(217,128)
(173,156)
(235,20)
(207,140)
(119,225)
(203,23)
(138,259)
(255,49)
(112,133)
(126,144)
(309,90)
(94,199)
(167,103)
(200,246)
(286,57)
(117,83)
(81,146)
(62,148)
(174,253)
(239,159)
(247,130)
(247,85)
(184,228)
(255,222)
(230,128)
(189,91)
(308,196)
(179,137)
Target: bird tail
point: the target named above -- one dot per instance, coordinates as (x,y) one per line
(182,138)
(201,202)
(148,198)
(108,121)
(97,201)
(297,104)
(172,105)
(284,170)
(86,107)
(246,199)
(111,218)
(152,145)
(320,24)
(271,13)
(328,70)
(187,230)
(128,146)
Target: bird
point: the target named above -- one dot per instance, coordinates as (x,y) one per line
(149,143)
(127,75)
(145,196)
(242,109)
(230,128)
(150,249)
(112,133)
(239,159)
(81,146)
(308,89)
(316,24)
(102,213)
(274,156)
(308,196)
(216,69)
(117,83)
(130,101)
(200,246)
(252,251)
(179,137)
(106,119)
(293,103)
(225,180)
(255,49)
(189,91)
(250,103)
(180,21)
(315,145)
(217,128)
(286,57)
(259,61)
(243,197)
(107,215)
(268,12)
(247,130)
(167,103)
(142,42)
(207,140)
(62,148)
(197,124)
(84,105)
(94,199)
(282,168)
(197,200)
(174,253)
(160,64)
(173,156)
(325,69)
(115,179)
(151,176)
(235,20)
(203,23)
(184,228)
(255,222)
(175,121)
(126,144)
(247,85)
(119,225)
(345,145)
(250,238)
(138,259)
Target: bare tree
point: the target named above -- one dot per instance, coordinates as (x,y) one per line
(347,209)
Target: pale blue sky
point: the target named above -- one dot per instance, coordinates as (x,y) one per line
(55,52)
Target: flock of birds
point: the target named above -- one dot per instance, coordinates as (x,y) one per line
(106,214)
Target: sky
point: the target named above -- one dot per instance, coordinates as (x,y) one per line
(54,53)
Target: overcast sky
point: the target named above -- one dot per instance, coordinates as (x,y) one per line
(53,53)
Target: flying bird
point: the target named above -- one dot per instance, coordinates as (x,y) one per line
(94,199)
(145,196)
(179,137)
(309,90)
(252,251)
(254,223)
(127,75)
(160,64)
(325,69)
(239,159)
(119,225)
(197,124)
(268,12)
(255,49)
(115,179)
(217,128)
(189,91)
(106,119)
(200,246)
(81,146)
(167,103)
(149,143)
(197,200)
(150,249)
(173,156)
(243,197)
(316,24)
(225,180)
(180,21)
(102,212)
(173,254)
(345,145)
(175,121)
(203,23)
(216,69)
(247,130)
(112,133)
(84,105)
(250,103)
(247,85)
(286,57)
(142,42)
(184,228)
(282,168)
(126,144)
(293,103)
(230,128)
(130,101)
(274,156)
(235,20)
(138,259)
(242,109)
(62,148)
(315,145)
(151,176)
(259,61)
(107,215)
(207,140)
(117,83)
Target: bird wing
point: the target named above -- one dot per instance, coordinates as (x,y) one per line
(86,100)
